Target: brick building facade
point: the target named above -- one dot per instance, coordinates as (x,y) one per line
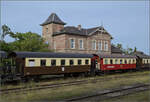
(75,39)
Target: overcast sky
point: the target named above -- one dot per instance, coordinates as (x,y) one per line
(126,21)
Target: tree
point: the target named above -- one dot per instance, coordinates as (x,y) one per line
(5,31)
(28,42)
(135,49)
(130,50)
(5,46)
(23,41)
(119,46)
(125,51)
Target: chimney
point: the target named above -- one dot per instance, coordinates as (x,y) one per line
(79,27)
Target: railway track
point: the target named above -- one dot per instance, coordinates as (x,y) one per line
(112,93)
(46,86)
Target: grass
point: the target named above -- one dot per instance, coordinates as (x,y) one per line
(76,90)
(137,97)
(31,83)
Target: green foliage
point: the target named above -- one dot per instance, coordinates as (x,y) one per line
(5,46)
(5,31)
(29,42)
(119,46)
(23,42)
(135,49)
(125,51)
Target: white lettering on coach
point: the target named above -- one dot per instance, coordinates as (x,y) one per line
(110,66)
(62,68)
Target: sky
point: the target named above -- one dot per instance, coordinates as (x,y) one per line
(126,21)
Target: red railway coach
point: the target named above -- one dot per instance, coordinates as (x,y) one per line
(115,62)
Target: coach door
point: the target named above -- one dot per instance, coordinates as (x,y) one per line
(93,66)
(97,64)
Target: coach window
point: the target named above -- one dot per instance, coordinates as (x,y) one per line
(106,61)
(111,61)
(86,61)
(116,61)
(62,62)
(79,62)
(53,62)
(129,61)
(125,61)
(31,63)
(120,61)
(133,61)
(71,62)
(43,62)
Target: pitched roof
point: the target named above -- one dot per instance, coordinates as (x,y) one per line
(53,18)
(82,31)
(115,50)
(140,54)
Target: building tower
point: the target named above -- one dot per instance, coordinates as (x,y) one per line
(52,24)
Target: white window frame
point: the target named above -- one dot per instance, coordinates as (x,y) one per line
(100,45)
(105,45)
(72,47)
(81,46)
(94,45)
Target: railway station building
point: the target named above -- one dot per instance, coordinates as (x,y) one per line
(71,39)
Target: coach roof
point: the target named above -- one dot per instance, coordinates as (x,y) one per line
(141,54)
(49,55)
(116,56)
